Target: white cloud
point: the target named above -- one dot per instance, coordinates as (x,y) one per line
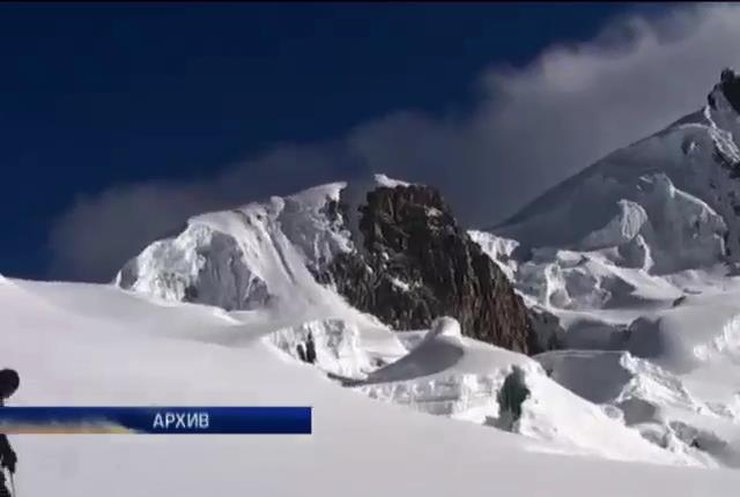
(530,129)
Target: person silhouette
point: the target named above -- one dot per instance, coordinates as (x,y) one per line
(9,381)
(510,398)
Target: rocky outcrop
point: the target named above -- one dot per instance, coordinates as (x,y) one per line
(416,263)
(546,325)
(389,248)
(730,85)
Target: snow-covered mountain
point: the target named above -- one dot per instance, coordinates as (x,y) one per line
(666,203)
(636,256)
(603,262)
(588,346)
(391,249)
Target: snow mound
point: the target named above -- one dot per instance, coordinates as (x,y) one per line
(603,377)
(699,331)
(444,327)
(441,348)
(594,375)
(646,397)
(449,375)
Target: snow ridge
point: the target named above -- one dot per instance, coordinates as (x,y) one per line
(637,256)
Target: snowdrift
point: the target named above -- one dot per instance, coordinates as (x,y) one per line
(447,374)
(69,353)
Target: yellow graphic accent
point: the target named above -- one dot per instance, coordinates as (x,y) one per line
(64,429)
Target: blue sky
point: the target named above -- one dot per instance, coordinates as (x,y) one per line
(101,99)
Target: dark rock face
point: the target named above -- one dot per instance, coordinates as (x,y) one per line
(730,85)
(546,325)
(417,264)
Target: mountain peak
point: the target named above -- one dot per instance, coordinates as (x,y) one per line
(729,86)
(385,247)
(728,75)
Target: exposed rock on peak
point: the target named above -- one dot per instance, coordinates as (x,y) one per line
(729,84)
(417,264)
(389,248)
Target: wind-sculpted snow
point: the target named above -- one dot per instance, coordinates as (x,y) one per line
(242,258)
(76,344)
(308,222)
(570,279)
(621,229)
(200,264)
(447,374)
(674,196)
(677,189)
(440,349)
(646,221)
(651,399)
(332,345)
(617,377)
(677,384)
(637,258)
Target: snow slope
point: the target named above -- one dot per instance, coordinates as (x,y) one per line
(650,399)
(459,377)
(245,257)
(235,254)
(152,352)
(636,256)
(658,351)
(671,196)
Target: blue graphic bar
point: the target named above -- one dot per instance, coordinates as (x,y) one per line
(155,420)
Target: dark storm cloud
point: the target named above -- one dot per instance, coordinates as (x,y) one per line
(530,129)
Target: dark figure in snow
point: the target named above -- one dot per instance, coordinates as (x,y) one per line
(9,381)
(301,350)
(512,395)
(310,350)
(307,352)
